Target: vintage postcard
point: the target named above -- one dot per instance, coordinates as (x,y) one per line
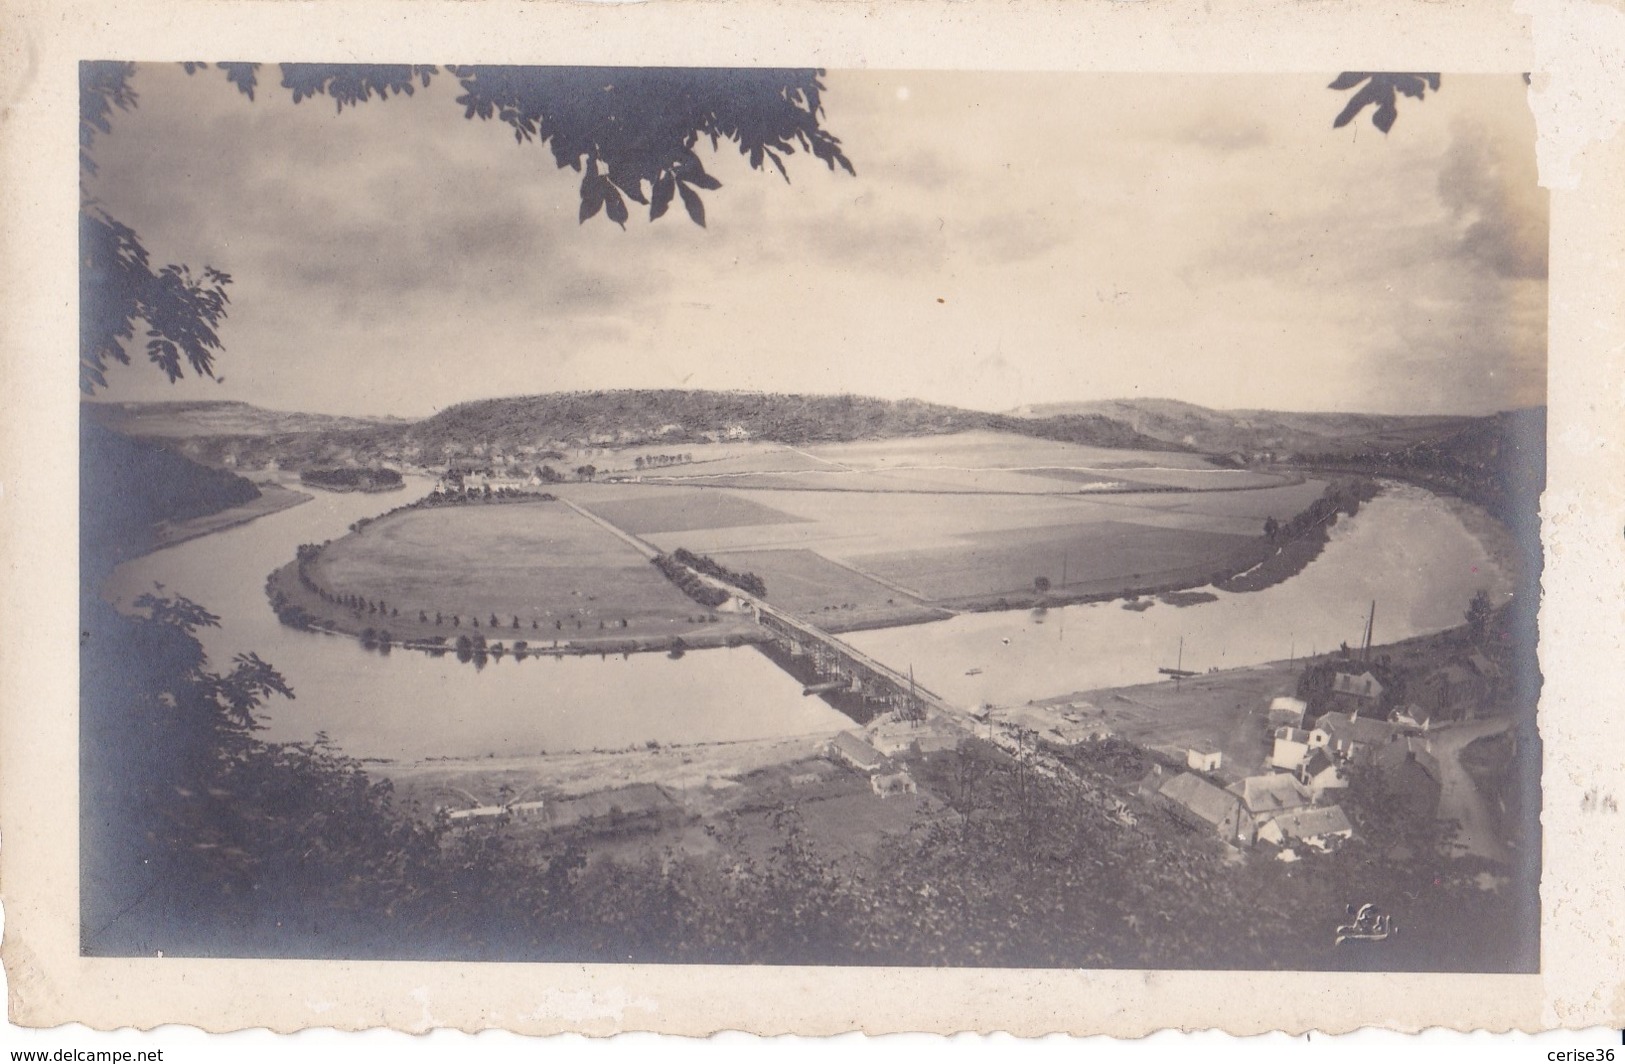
(981,519)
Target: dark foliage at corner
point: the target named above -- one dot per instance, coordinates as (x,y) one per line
(127,486)
(1379,91)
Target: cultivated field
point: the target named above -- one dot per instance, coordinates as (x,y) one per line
(862,534)
(1099,556)
(833,596)
(971,462)
(913,526)
(561,575)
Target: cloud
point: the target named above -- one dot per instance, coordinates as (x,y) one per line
(862,236)
(1221,132)
(1492,194)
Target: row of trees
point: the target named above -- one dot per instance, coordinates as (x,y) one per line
(656,461)
(1340,497)
(688,583)
(747,582)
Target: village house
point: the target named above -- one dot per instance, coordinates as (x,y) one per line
(1287,712)
(887,784)
(1263,798)
(1291,748)
(462,818)
(1411,771)
(1321,773)
(1349,736)
(1200,804)
(1451,692)
(1203,757)
(641,806)
(1361,686)
(1321,827)
(850,750)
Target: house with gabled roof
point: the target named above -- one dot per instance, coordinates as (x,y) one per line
(1350,736)
(1410,769)
(1263,798)
(850,750)
(1321,827)
(1204,757)
(1291,748)
(1321,773)
(1363,685)
(1201,804)
(1452,691)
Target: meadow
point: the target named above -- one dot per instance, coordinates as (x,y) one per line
(860,534)
(560,575)
(892,532)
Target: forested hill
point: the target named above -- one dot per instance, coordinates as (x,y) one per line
(689,415)
(604,418)
(126,487)
(1498,462)
(1251,431)
(677,415)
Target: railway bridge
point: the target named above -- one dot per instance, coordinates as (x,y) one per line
(837,661)
(832,659)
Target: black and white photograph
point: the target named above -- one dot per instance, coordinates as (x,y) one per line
(810,516)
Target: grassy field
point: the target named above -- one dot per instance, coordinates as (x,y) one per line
(833,596)
(962,520)
(540,562)
(962,462)
(1100,555)
(655,509)
(844,534)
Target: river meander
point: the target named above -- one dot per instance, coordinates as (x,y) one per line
(1407,550)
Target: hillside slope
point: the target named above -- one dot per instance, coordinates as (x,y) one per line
(126,487)
(603,418)
(1251,431)
(180,419)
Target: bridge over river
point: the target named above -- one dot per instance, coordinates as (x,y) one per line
(833,660)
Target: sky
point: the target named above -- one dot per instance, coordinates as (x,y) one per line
(1008,239)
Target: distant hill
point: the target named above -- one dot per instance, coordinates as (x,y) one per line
(235,434)
(679,415)
(1497,462)
(204,417)
(1254,431)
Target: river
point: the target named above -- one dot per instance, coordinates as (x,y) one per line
(1407,550)
(412,706)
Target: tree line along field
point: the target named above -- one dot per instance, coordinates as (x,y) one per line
(559,575)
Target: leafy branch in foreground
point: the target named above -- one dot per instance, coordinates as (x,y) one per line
(630,133)
(1380,91)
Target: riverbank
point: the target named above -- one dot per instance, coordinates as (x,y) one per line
(274,498)
(682,767)
(297,606)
